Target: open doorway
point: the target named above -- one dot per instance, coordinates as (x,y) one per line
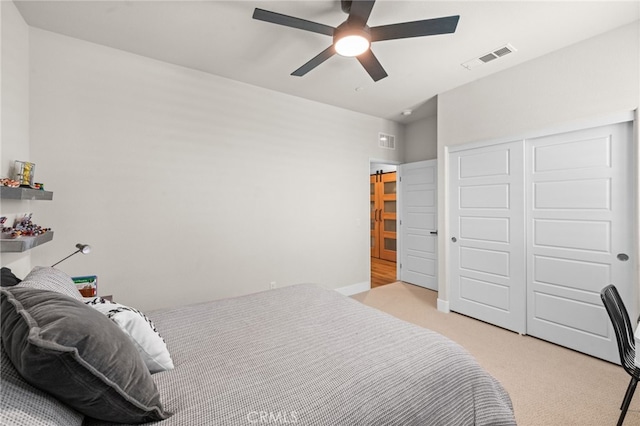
(383,219)
(410,200)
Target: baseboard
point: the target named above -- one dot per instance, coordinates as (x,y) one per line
(443,306)
(354,288)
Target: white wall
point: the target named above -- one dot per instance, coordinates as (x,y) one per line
(596,77)
(14,134)
(190,186)
(421,140)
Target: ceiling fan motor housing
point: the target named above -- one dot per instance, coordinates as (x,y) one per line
(346,5)
(347,28)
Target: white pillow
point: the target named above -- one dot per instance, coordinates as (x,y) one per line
(140,329)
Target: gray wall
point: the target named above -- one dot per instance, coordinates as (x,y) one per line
(15,117)
(191,186)
(421,140)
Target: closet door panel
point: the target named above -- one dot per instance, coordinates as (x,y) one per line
(579,219)
(374,202)
(388,217)
(487,234)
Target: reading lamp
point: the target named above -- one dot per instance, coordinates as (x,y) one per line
(82,248)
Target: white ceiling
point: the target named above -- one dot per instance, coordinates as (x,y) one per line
(220,37)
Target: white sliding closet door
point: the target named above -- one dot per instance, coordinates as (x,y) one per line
(579,235)
(487,234)
(538,227)
(418,222)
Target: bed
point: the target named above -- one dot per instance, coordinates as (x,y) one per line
(310,356)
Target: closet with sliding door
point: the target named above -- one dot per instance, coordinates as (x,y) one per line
(538,227)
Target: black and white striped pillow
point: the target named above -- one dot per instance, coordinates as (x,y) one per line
(140,329)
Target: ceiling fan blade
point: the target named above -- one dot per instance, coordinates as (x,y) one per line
(317,60)
(426,27)
(372,65)
(360,12)
(293,22)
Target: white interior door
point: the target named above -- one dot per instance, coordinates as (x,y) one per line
(486,220)
(579,235)
(418,222)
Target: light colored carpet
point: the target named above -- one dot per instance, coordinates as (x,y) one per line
(549,385)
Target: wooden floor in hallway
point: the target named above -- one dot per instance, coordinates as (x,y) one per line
(382,272)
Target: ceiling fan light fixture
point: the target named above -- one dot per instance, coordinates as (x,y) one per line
(352,45)
(350,41)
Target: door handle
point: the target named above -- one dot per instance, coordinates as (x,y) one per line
(434,232)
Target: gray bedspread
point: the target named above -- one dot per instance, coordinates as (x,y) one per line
(309,356)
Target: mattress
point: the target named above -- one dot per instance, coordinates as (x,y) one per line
(309,356)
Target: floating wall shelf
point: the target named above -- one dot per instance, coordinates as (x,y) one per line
(9,193)
(21,244)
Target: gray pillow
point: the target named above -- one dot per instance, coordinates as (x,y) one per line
(52,279)
(66,348)
(22,404)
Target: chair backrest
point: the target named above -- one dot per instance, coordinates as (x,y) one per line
(621,325)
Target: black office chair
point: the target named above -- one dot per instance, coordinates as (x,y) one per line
(626,343)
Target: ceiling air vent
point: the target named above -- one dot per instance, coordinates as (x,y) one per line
(386,141)
(488,57)
(504,51)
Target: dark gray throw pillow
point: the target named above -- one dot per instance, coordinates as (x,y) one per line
(66,348)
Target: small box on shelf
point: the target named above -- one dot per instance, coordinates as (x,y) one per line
(87,285)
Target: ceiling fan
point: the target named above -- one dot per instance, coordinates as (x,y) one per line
(354,37)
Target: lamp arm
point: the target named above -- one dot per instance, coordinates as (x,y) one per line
(59,261)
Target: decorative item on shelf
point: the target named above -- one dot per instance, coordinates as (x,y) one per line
(87,285)
(82,248)
(12,183)
(23,227)
(9,182)
(7,232)
(24,173)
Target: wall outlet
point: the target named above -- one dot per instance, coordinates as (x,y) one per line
(272,285)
